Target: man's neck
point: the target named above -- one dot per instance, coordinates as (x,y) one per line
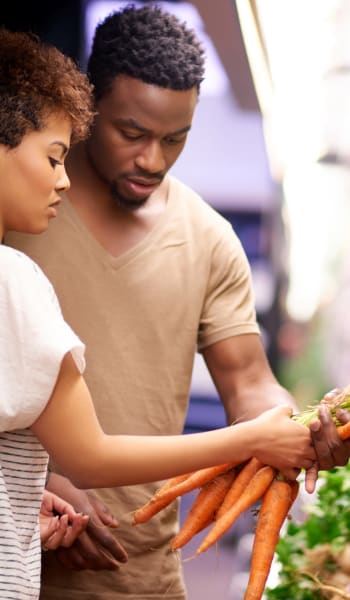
(116,228)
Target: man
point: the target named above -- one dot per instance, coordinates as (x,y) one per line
(146,273)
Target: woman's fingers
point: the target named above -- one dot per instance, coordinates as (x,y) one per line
(54,540)
(66,532)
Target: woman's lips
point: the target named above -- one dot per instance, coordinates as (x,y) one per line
(52,211)
(53,207)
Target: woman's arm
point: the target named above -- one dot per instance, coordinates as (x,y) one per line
(69,430)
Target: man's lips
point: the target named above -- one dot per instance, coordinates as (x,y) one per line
(145,181)
(142,186)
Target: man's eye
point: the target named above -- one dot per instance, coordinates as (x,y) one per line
(132,136)
(177,140)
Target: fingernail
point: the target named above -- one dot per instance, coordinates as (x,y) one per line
(323,411)
(315,425)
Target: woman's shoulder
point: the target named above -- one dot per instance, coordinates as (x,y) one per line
(15,266)
(10,257)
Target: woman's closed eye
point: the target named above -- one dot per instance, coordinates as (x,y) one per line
(54,162)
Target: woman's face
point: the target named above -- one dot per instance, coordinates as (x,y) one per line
(33,176)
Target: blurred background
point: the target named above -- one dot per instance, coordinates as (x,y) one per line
(270,150)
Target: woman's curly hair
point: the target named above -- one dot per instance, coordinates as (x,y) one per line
(37,80)
(147,44)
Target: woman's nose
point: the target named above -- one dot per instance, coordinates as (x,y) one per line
(63,182)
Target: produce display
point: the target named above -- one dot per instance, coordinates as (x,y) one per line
(226,491)
(313,556)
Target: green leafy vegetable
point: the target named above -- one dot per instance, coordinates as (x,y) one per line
(314,555)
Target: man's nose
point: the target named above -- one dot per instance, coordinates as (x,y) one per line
(152,159)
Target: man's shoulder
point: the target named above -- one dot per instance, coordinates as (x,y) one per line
(189,202)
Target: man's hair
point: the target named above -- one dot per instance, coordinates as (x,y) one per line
(147,44)
(36,80)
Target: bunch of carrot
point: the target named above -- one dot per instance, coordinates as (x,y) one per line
(226,491)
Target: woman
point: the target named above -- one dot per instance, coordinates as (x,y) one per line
(45,105)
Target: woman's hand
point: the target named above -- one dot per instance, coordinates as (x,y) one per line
(97,547)
(60,524)
(283,443)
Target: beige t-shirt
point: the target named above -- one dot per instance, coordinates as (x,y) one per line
(142,316)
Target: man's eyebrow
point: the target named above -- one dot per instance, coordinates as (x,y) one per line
(62,145)
(135,125)
(180,131)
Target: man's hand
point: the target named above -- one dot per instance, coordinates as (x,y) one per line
(95,548)
(331,451)
(60,525)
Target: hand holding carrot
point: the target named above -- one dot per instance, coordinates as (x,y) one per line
(279,444)
(331,449)
(278,441)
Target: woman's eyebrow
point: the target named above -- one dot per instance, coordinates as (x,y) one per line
(61,145)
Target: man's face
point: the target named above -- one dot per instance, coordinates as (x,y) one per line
(139,132)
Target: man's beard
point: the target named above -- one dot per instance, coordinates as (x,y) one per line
(123,202)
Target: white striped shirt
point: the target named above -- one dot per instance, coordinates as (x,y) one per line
(34,339)
(23,464)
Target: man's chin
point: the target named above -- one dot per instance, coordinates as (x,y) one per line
(128,204)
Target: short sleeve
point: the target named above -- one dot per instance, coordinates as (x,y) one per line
(34,340)
(229,307)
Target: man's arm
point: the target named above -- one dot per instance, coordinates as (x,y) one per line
(246,385)
(242,375)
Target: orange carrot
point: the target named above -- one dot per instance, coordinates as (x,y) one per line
(163,498)
(238,485)
(151,508)
(294,489)
(173,481)
(253,492)
(207,523)
(198,479)
(274,509)
(344,431)
(203,508)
